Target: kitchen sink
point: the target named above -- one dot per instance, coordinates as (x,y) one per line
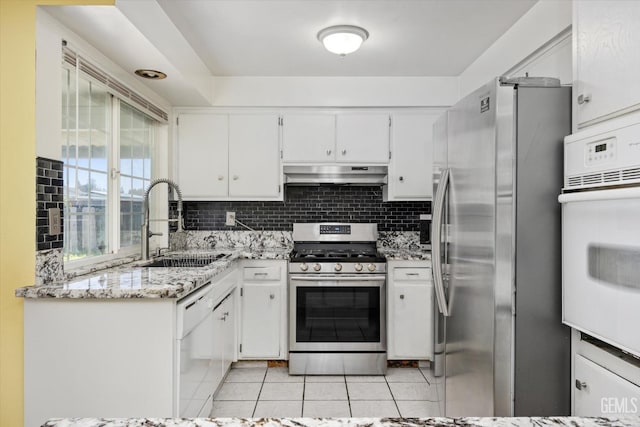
(195,260)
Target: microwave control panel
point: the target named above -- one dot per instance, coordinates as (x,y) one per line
(600,152)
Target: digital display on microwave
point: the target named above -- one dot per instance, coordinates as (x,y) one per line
(601,147)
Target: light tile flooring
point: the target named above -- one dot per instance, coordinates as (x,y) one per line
(253,390)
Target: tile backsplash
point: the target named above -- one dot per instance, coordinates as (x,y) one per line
(324,203)
(49,194)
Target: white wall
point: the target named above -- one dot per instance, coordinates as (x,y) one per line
(335,91)
(49,36)
(538,43)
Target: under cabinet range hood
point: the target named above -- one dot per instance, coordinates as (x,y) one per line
(335,174)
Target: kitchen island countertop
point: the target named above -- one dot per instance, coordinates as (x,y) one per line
(345,422)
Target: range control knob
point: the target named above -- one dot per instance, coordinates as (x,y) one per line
(304,267)
(338,267)
(358,267)
(371,267)
(317,267)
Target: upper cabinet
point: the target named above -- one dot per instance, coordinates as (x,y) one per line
(362,138)
(308,138)
(229,156)
(254,160)
(357,138)
(202,156)
(411,156)
(606,59)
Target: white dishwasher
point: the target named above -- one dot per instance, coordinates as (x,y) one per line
(195,359)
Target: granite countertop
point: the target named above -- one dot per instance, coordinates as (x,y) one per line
(134,280)
(345,422)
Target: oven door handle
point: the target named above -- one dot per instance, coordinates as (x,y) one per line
(379,278)
(599,195)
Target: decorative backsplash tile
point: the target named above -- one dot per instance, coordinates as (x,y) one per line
(222,239)
(49,194)
(324,203)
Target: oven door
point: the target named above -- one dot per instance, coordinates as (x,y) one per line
(337,313)
(601,265)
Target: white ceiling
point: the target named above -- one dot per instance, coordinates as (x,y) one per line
(193,40)
(278,37)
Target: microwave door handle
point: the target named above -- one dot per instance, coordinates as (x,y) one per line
(436,248)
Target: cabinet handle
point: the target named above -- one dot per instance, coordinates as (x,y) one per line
(581,385)
(328,152)
(401,296)
(272,296)
(235,177)
(344,152)
(401,179)
(584,98)
(220,177)
(259,274)
(226,313)
(223,318)
(412,274)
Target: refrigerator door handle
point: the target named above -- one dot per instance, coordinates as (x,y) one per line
(436,232)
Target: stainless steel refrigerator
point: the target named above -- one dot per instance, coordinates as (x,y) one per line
(497,253)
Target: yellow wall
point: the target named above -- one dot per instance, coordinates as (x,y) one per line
(17,188)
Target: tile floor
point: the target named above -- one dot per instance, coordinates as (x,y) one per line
(253,390)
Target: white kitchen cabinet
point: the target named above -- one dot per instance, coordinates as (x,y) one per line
(606,40)
(600,392)
(254,156)
(308,138)
(263,306)
(362,137)
(118,358)
(222,355)
(410,311)
(202,155)
(605,381)
(229,156)
(411,157)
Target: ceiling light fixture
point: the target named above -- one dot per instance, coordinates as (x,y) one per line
(342,39)
(151,74)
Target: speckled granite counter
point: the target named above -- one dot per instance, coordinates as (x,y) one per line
(346,422)
(136,281)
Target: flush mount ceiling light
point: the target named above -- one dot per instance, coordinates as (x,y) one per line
(151,74)
(342,39)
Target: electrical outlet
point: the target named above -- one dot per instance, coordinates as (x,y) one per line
(54,221)
(231,219)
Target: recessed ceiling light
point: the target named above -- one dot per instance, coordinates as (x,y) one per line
(343,39)
(151,74)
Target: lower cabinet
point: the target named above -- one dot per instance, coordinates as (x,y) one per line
(605,381)
(123,358)
(410,323)
(263,297)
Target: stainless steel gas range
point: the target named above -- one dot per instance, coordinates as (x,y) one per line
(337,304)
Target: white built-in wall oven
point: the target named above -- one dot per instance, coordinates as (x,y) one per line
(601,234)
(337,306)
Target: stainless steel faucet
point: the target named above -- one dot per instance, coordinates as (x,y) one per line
(146,233)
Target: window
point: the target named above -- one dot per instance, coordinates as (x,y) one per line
(107,151)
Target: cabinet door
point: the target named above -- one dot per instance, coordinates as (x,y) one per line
(308,138)
(202,155)
(261,309)
(411,156)
(229,332)
(254,156)
(412,323)
(607,57)
(362,138)
(600,392)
